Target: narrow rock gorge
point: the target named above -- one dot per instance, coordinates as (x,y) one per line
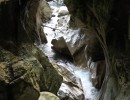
(106,22)
(64,50)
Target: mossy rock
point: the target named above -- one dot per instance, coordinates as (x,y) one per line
(27,73)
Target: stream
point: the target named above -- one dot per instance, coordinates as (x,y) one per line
(56,27)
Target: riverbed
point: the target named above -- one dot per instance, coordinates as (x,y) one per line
(56,27)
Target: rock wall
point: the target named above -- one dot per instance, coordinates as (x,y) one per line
(24,70)
(106,24)
(20,18)
(29,72)
(35,12)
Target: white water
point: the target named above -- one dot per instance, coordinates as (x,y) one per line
(62,23)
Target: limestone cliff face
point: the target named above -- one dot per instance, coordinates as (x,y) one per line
(106,24)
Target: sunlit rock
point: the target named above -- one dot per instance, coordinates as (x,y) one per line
(76,41)
(48,96)
(24,76)
(68,92)
(73,45)
(63,11)
(68,75)
(71,87)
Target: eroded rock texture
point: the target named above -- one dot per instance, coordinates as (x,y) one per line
(21,20)
(106,25)
(27,73)
(24,70)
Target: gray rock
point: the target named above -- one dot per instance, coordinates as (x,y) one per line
(60,46)
(63,11)
(71,88)
(76,42)
(97,70)
(69,92)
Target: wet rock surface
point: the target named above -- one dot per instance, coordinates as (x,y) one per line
(114,38)
(69,92)
(79,46)
(68,41)
(71,88)
(97,70)
(73,46)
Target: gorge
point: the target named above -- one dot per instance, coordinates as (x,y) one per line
(64,50)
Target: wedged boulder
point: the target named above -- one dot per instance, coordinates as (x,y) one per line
(80,44)
(63,11)
(73,46)
(71,88)
(24,75)
(60,46)
(76,42)
(97,70)
(47,96)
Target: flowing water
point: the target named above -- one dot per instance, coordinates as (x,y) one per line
(59,26)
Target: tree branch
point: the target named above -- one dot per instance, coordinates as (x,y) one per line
(53,28)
